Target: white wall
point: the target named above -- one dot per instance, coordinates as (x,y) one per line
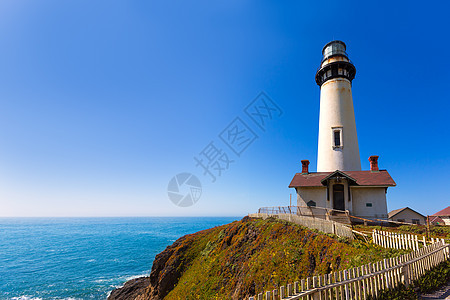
(336,110)
(446,220)
(374,195)
(316,194)
(357,204)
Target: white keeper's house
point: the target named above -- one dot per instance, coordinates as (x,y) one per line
(339,182)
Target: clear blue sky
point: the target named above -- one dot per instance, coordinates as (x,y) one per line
(103,102)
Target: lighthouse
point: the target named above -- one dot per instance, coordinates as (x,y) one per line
(340,188)
(338,142)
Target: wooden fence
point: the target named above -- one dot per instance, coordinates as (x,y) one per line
(370,279)
(326,226)
(388,239)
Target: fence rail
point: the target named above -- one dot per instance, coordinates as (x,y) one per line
(367,280)
(308,211)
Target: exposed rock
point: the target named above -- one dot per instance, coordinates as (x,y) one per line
(131,289)
(166,269)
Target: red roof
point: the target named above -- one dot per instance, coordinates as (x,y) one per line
(444,212)
(362,178)
(436,220)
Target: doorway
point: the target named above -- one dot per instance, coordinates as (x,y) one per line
(338,197)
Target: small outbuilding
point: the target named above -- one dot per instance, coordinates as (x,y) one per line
(407,215)
(436,220)
(444,215)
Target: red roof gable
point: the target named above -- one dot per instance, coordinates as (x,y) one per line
(444,212)
(436,220)
(362,178)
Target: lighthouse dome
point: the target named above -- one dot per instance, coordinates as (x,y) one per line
(334,48)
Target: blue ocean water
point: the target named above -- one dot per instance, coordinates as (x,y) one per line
(83,258)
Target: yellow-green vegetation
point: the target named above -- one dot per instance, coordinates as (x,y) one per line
(246,257)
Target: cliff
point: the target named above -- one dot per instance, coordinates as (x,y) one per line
(243,258)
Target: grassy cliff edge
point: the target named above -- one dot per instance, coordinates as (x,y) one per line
(243,258)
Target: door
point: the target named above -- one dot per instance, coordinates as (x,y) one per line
(338,197)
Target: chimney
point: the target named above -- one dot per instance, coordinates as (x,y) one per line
(374,163)
(305,164)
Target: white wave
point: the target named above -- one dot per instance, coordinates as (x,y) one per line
(136,276)
(103,280)
(25,297)
(121,278)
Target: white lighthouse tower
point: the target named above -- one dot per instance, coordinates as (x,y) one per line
(338,142)
(339,183)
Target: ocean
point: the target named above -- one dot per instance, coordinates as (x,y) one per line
(84,258)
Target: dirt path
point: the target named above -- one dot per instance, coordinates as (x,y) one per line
(442,293)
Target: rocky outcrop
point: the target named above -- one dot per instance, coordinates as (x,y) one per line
(132,289)
(166,270)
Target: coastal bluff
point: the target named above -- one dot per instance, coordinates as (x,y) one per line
(239,259)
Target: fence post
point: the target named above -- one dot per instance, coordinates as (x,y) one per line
(347,294)
(405,273)
(315,284)
(268,295)
(275,294)
(327,293)
(445,250)
(405,241)
(282,292)
(386,275)
(396,243)
(377,278)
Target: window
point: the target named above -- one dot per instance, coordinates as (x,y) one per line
(368,204)
(400,220)
(311,203)
(337,137)
(416,221)
(340,72)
